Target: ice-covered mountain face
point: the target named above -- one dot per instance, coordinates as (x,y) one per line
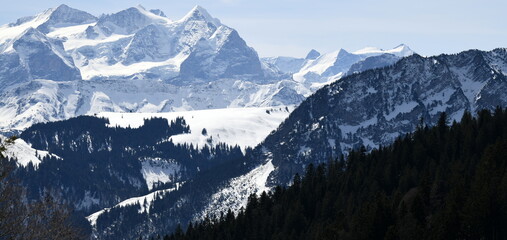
(374,107)
(213,59)
(196,47)
(317,70)
(124,22)
(136,43)
(65,62)
(27,53)
(44,58)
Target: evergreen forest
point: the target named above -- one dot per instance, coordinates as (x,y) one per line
(443,182)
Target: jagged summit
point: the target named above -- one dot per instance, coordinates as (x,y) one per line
(48,20)
(127,21)
(343,52)
(312,55)
(63,16)
(198,13)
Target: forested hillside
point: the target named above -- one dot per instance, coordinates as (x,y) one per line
(443,182)
(97,164)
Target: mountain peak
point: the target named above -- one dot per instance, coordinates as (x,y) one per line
(63,16)
(128,21)
(140,11)
(403,50)
(343,52)
(62,6)
(198,13)
(312,55)
(64,12)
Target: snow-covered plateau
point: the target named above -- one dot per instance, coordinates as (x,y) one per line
(245,127)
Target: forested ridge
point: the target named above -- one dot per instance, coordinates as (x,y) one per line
(443,182)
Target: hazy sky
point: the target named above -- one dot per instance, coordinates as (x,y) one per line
(293,27)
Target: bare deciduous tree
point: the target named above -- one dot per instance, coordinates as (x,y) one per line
(24,219)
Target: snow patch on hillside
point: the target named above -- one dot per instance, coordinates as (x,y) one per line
(148,199)
(157,170)
(402,108)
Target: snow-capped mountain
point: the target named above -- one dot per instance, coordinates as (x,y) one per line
(65,62)
(166,48)
(316,70)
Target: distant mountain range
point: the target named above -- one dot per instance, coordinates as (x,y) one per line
(65,62)
(316,70)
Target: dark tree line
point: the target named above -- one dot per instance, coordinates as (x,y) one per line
(441,182)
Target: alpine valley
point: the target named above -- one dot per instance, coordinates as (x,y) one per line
(143,123)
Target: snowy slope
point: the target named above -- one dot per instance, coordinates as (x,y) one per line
(24,153)
(245,127)
(235,194)
(148,199)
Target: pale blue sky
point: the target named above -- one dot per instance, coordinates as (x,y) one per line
(293,27)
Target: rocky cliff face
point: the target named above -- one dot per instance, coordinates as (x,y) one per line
(45,58)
